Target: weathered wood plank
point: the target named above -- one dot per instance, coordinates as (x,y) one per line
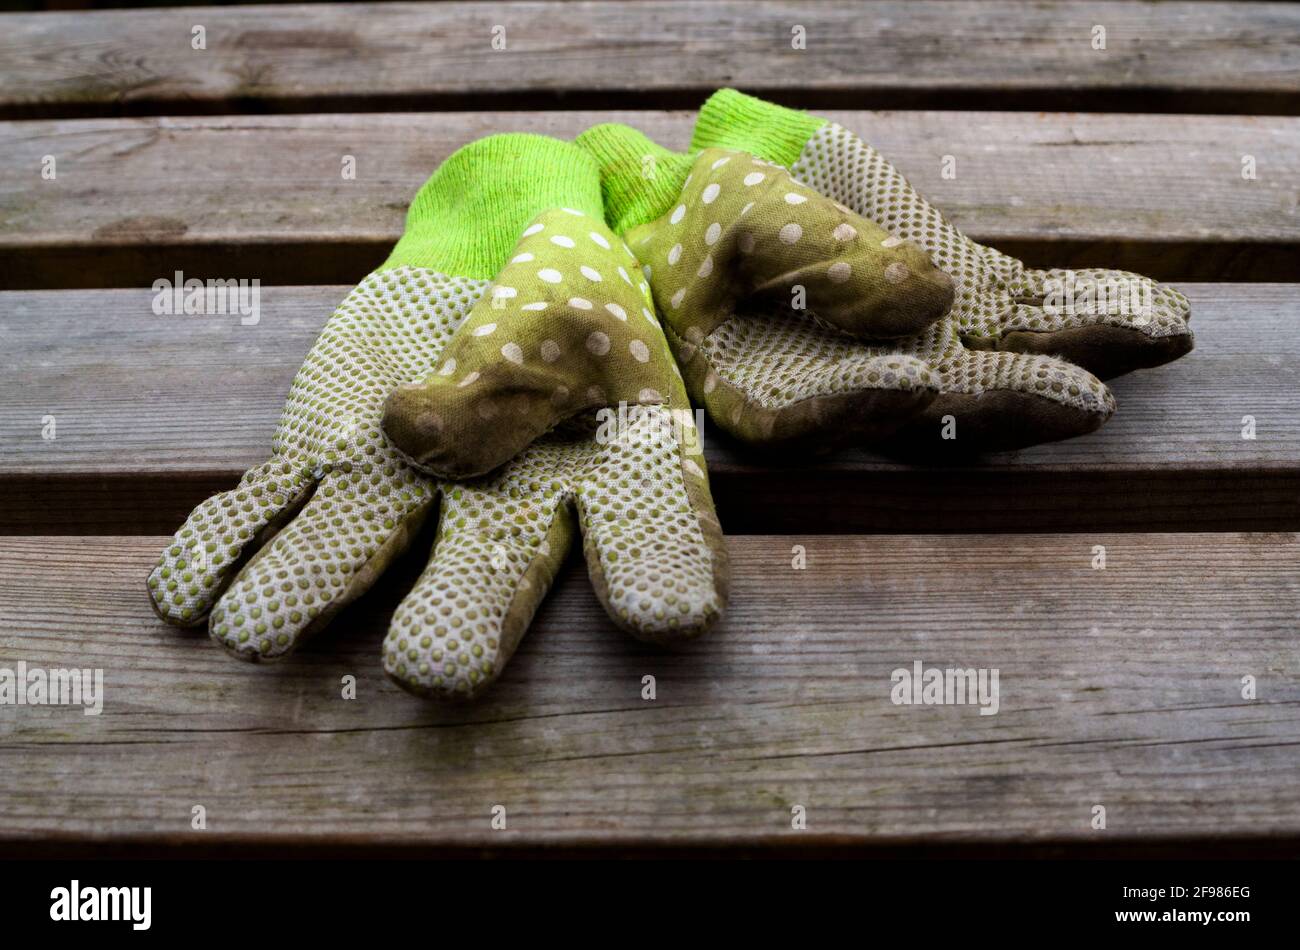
(1119,688)
(265,197)
(1157,56)
(154,413)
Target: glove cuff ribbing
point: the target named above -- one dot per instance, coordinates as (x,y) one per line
(639,178)
(733,120)
(468,216)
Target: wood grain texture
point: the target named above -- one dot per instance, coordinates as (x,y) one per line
(265,197)
(1119,687)
(154,413)
(1182,56)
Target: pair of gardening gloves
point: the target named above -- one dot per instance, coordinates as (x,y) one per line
(522,364)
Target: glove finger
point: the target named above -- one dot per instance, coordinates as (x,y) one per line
(1110,322)
(500,543)
(996,400)
(332,551)
(782,380)
(653,544)
(218,536)
(566,328)
(745,227)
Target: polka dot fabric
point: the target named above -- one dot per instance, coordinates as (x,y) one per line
(1000,304)
(1009,359)
(337,503)
(738,255)
(567,327)
(270,562)
(743,228)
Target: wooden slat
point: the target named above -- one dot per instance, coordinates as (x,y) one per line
(154,413)
(1119,688)
(1158,56)
(264,197)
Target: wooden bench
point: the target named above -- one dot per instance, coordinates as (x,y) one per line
(1121,687)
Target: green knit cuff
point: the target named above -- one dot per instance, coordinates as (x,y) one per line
(639,178)
(735,121)
(468,216)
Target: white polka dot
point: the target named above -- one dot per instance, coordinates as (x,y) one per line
(790,198)
(791,233)
(891,241)
(590,273)
(485,330)
(448,367)
(706,267)
(640,352)
(598,343)
(675,254)
(550,351)
(533,229)
(692,468)
(539,305)
(678,212)
(897,272)
(753,178)
(523,258)
(560,395)
(576,214)
(745,210)
(616,310)
(713,233)
(562,240)
(513,353)
(845,232)
(550,275)
(649,316)
(504,293)
(581,303)
(747,243)
(839,272)
(467,380)
(720,162)
(649,395)
(677,298)
(710,382)
(599,239)
(710,193)
(622,273)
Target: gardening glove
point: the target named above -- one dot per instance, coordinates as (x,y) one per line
(270,562)
(722,230)
(1014,359)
